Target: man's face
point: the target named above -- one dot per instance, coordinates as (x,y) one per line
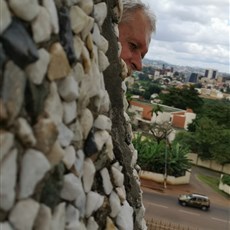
(134,37)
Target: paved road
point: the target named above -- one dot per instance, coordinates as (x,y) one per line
(195,185)
(171,192)
(165,207)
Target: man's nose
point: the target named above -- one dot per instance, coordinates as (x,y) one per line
(137,63)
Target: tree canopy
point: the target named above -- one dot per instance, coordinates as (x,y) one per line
(153,156)
(208,139)
(182,98)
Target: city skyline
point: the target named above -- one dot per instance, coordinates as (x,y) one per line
(191,33)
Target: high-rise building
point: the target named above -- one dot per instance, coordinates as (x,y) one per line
(193,78)
(211,73)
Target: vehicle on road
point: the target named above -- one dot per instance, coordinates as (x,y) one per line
(194,200)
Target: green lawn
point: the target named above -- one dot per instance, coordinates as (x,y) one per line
(213,182)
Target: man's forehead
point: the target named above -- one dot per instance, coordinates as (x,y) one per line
(143,44)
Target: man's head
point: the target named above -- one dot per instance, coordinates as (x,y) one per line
(135,29)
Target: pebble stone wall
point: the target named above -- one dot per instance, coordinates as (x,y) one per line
(67,161)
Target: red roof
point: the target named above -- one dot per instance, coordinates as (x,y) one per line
(147,109)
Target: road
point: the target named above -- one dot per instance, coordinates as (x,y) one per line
(162,204)
(165,207)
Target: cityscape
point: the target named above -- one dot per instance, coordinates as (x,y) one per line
(180,115)
(210,82)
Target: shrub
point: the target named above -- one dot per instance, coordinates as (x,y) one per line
(226,179)
(154,157)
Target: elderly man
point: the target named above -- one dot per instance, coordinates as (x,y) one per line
(135,29)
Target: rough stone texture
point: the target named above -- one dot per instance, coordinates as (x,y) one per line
(119,125)
(67,160)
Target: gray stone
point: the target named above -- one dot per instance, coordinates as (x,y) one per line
(6,226)
(86,121)
(87,6)
(68,88)
(53,105)
(25,9)
(41,26)
(36,71)
(43,219)
(103,122)
(124,219)
(8,180)
(88,174)
(33,168)
(6,142)
(50,6)
(25,132)
(93,202)
(100,12)
(23,215)
(66,35)
(70,111)
(107,185)
(13,90)
(18,44)
(58,221)
(92,224)
(69,157)
(79,19)
(70,187)
(65,135)
(5,16)
(46,134)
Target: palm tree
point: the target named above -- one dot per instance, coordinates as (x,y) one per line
(156,109)
(151,156)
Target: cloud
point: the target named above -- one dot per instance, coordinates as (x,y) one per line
(191,32)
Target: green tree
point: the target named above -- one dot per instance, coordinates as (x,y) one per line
(151,156)
(156,109)
(218,111)
(221,150)
(226,179)
(186,139)
(150,89)
(208,139)
(143,77)
(184,98)
(177,160)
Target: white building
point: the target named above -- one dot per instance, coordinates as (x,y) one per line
(211,73)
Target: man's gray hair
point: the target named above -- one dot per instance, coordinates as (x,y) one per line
(130,6)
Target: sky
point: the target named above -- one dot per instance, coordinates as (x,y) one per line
(192,33)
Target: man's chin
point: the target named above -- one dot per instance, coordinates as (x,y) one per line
(126,70)
(130,72)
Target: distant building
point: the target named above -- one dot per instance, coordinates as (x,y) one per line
(182,119)
(216,94)
(211,93)
(193,78)
(211,73)
(144,109)
(145,113)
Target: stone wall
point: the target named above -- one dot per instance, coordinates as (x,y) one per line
(224,187)
(210,164)
(160,178)
(67,160)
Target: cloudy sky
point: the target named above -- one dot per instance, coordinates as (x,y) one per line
(191,33)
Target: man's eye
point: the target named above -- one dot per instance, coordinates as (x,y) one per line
(133,46)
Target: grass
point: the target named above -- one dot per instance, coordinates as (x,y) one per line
(213,182)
